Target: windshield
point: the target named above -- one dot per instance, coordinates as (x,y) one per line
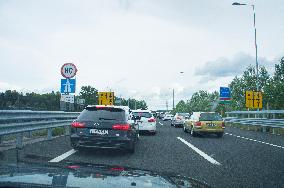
(183,114)
(210,117)
(116,115)
(191,88)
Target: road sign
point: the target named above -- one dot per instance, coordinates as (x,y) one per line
(257,100)
(249,99)
(253,99)
(68,85)
(225,95)
(68,70)
(67,98)
(80,101)
(106,98)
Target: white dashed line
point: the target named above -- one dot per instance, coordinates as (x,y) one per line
(261,142)
(204,155)
(161,123)
(63,156)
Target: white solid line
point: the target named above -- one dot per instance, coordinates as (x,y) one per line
(204,155)
(160,123)
(63,156)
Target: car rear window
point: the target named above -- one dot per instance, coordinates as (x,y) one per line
(102,114)
(210,117)
(183,114)
(142,114)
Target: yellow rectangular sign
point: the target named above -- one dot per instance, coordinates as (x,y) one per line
(253,99)
(249,99)
(106,98)
(257,103)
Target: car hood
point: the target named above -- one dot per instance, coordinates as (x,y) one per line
(88,175)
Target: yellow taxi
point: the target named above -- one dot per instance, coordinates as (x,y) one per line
(204,122)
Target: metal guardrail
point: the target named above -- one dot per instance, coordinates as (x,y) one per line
(19,122)
(261,118)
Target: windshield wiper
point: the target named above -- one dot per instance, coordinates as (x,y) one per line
(106,119)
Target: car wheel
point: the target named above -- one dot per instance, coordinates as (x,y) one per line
(184,129)
(219,135)
(192,132)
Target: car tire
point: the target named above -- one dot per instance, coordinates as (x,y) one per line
(220,135)
(192,132)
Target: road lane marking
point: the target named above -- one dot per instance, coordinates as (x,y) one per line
(161,123)
(63,156)
(261,142)
(204,155)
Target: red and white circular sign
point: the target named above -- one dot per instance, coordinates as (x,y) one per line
(68,70)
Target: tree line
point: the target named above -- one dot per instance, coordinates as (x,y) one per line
(14,100)
(271,86)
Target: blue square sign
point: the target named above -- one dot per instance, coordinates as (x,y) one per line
(225,93)
(68,85)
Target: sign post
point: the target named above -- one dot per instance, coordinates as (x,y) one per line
(68,85)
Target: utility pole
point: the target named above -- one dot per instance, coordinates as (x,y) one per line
(167,105)
(173,99)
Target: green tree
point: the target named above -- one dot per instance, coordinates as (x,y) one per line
(181,107)
(90,94)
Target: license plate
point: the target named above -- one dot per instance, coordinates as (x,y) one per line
(211,124)
(98,131)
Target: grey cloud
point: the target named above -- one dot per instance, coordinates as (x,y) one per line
(224,67)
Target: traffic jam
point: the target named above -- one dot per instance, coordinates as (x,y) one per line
(119,127)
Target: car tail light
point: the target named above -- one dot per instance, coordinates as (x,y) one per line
(198,124)
(78,125)
(73,166)
(122,127)
(152,120)
(223,124)
(117,169)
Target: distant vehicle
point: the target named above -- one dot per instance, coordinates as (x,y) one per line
(101,126)
(162,115)
(179,119)
(168,117)
(145,120)
(154,113)
(205,122)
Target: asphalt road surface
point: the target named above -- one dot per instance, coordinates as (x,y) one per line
(239,159)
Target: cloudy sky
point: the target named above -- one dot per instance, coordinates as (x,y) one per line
(136,48)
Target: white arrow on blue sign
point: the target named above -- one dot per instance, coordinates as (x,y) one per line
(68,85)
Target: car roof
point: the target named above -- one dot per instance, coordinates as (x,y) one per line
(141,111)
(198,113)
(110,106)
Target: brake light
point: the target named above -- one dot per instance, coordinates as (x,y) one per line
(122,127)
(78,125)
(198,124)
(223,124)
(152,120)
(100,107)
(117,169)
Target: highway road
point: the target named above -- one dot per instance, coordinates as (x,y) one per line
(240,159)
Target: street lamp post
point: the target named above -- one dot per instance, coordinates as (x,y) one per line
(255,44)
